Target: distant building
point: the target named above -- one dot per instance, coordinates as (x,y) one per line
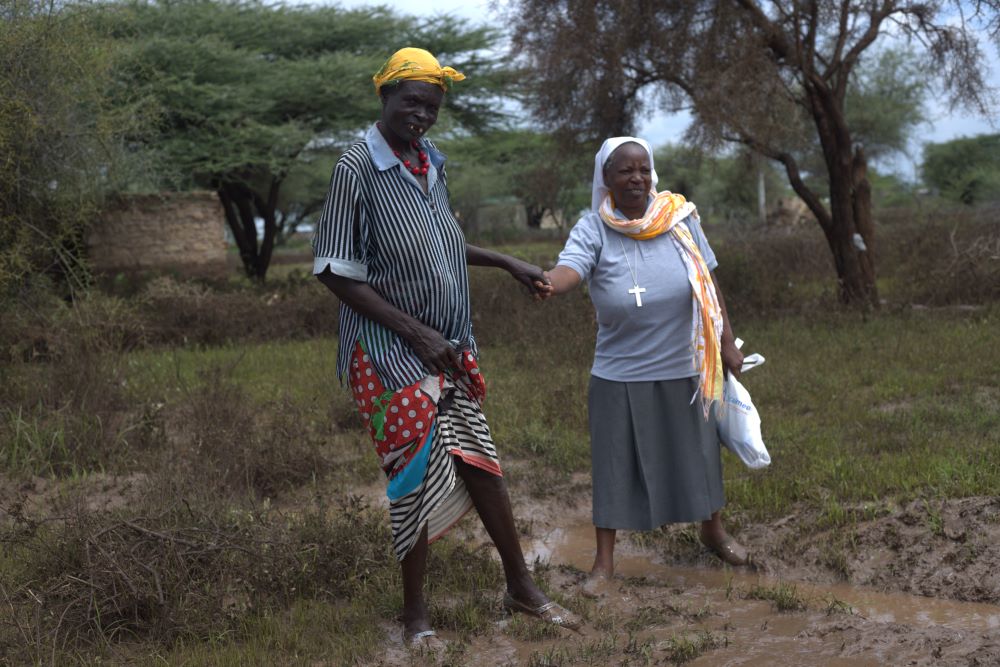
(183,231)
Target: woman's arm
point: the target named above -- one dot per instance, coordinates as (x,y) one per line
(732,358)
(524,272)
(436,353)
(563,279)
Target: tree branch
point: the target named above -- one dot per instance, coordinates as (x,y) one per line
(843,70)
(810,39)
(842,31)
(774,38)
(794,177)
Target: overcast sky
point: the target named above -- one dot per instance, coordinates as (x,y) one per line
(660,128)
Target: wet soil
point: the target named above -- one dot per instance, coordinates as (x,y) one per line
(916,584)
(912,585)
(940,549)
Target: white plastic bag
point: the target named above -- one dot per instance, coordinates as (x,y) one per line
(738,421)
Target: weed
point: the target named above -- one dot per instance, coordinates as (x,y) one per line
(530,631)
(242,446)
(784,596)
(934,520)
(835,606)
(167,568)
(685,648)
(646,617)
(638,651)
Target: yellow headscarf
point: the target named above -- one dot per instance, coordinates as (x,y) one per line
(415,65)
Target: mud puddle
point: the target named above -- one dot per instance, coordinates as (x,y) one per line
(575,546)
(732,617)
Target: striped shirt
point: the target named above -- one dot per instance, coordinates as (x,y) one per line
(378,226)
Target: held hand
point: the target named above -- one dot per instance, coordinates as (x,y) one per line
(434,351)
(536,280)
(732,358)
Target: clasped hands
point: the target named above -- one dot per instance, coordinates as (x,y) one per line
(533,277)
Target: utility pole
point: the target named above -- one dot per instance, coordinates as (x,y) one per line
(761,199)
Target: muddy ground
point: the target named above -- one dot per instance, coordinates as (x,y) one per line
(911,585)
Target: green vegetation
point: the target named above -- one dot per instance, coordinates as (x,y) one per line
(965,170)
(249,95)
(784,597)
(204,480)
(61,140)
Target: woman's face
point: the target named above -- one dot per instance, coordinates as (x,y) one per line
(410,108)
(629,177)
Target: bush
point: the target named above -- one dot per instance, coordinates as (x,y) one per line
(942,257)
(66,410)
(60,139)
(178,565)
(233,444)
(183,313)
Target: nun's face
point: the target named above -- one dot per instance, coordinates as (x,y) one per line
(629,177)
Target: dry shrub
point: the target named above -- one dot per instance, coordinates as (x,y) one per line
(772,269)
(234,443)
(193,313)
(180,566)
(940,258)
(64,407)
(39,326)
(504,312)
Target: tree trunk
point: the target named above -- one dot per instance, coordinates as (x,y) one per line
(851,229)
(246,244)
(761,196)
(242,206)
(863,219)
(534,214)
(266,210)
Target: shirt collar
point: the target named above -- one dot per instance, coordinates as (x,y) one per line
(382,155)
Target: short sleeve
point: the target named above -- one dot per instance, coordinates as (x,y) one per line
(336,242)
(694,224)
(583,247)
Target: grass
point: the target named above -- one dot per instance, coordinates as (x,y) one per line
(784,596)
(246,442)
(856,411)
(878,418)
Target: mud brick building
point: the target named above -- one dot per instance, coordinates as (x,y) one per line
(172,231)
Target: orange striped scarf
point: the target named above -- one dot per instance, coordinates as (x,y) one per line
(664,214)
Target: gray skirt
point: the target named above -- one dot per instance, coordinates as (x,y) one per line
(654,458)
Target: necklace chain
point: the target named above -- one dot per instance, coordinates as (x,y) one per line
(634,274)
(636,291)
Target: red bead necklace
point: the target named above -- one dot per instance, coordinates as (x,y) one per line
(424,160)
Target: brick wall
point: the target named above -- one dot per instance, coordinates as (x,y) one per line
(170,230)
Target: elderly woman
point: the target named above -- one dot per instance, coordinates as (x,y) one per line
(388,245)
(663,341)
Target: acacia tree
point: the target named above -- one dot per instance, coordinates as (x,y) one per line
(248,93)
(965,170)
(526,164)
(763,74)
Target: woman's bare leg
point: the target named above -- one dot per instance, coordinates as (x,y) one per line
(714,536)
(492,502)
(414,565)
(604,560)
